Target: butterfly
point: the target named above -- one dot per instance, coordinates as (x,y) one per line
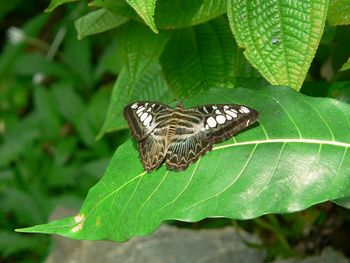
(181,136)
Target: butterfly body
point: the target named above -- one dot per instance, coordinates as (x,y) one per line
(181,136)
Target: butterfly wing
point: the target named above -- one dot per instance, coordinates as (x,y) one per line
(223,121)
(200,128)
(153,149)
(181,153)
(142,117)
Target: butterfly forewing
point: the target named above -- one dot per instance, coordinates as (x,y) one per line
(143,117)
(222,121)
(181,136)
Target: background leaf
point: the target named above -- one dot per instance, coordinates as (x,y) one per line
(145,8)
(141,78)
(56,3)
(139,48)
(204,56)
(150,86)
(97,22)
(339,12)
(295,157)
(280,38)
(172,14)
(346,65)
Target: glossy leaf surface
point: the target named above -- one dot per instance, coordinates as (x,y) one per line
(296,156)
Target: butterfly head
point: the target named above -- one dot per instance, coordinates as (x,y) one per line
(180,106)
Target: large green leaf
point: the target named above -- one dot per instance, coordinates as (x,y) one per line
(205,54)
(339,12)
(280,38)
(296,156)
(98,21)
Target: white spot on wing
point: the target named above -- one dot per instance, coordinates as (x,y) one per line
(211,122)
(217,112)
(207,127)
(141,108)
(205,110)
(143,116)
(214,107)
(149,109)
(244,109)
(134,106)
(229,117)
(226,107)
(220,119)
(147,121)
(233,114)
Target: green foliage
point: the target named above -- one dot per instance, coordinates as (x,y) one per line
(339,12)
(260,171)
(58,94)
(97,22)
(280,39)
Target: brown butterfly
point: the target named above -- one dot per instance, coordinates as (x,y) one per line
(181,136)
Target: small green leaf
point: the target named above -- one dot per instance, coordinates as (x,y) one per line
(280,38)
(55,3)
(295,157)
(145,9)
(346,65)
(339,12)
(97,22)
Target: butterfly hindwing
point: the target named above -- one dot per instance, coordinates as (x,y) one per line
(152,149)
(188,144)
(143,117)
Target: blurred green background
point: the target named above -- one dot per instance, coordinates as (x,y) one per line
(54,94)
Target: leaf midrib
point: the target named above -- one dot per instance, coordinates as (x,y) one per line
(299,140)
